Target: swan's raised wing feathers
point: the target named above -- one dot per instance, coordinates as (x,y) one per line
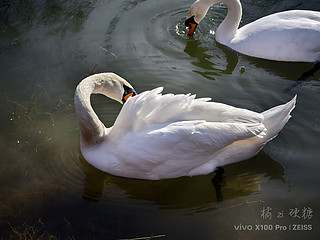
(151,107)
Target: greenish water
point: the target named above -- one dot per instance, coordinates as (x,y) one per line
(48,190)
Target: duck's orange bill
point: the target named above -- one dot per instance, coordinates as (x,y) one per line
(127,96)
(192,28)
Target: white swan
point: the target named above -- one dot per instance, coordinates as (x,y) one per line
(159,136)
(286,36)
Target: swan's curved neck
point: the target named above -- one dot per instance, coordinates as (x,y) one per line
(229,26)
(92,129)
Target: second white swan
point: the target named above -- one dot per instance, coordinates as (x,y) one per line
(159,136)
(285,36)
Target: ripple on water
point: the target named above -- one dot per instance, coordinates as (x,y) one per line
(167,33)
(159,44)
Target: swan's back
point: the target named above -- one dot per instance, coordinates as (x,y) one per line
(285,36)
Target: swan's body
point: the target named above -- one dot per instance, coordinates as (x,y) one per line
(159,136)
(286,36)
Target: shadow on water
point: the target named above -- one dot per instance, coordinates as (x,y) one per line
(213,66)
(304,77)
(299,72)
(194,194)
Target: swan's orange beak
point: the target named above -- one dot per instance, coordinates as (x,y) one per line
(128,92)
(127,96)
(192,28)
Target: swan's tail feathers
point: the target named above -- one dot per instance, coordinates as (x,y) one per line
(275,118)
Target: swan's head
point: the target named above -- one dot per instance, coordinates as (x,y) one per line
(108,84)
(117,88)
(196,13)
(191,24)
(127,92)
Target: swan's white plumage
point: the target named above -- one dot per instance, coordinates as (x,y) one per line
(286,36)
(158,136)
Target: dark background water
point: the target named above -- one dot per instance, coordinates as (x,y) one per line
(47,190)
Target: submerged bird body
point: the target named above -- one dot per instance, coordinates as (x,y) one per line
(285,36)
(158,136)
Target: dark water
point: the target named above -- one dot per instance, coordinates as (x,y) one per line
(48,191)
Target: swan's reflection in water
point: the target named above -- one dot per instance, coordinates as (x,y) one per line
(193,193)
(204,59)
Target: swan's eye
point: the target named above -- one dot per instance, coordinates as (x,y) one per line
(128,92)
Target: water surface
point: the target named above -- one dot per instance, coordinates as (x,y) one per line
(48,190)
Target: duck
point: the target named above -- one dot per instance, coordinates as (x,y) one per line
(290,36)
(159,136)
